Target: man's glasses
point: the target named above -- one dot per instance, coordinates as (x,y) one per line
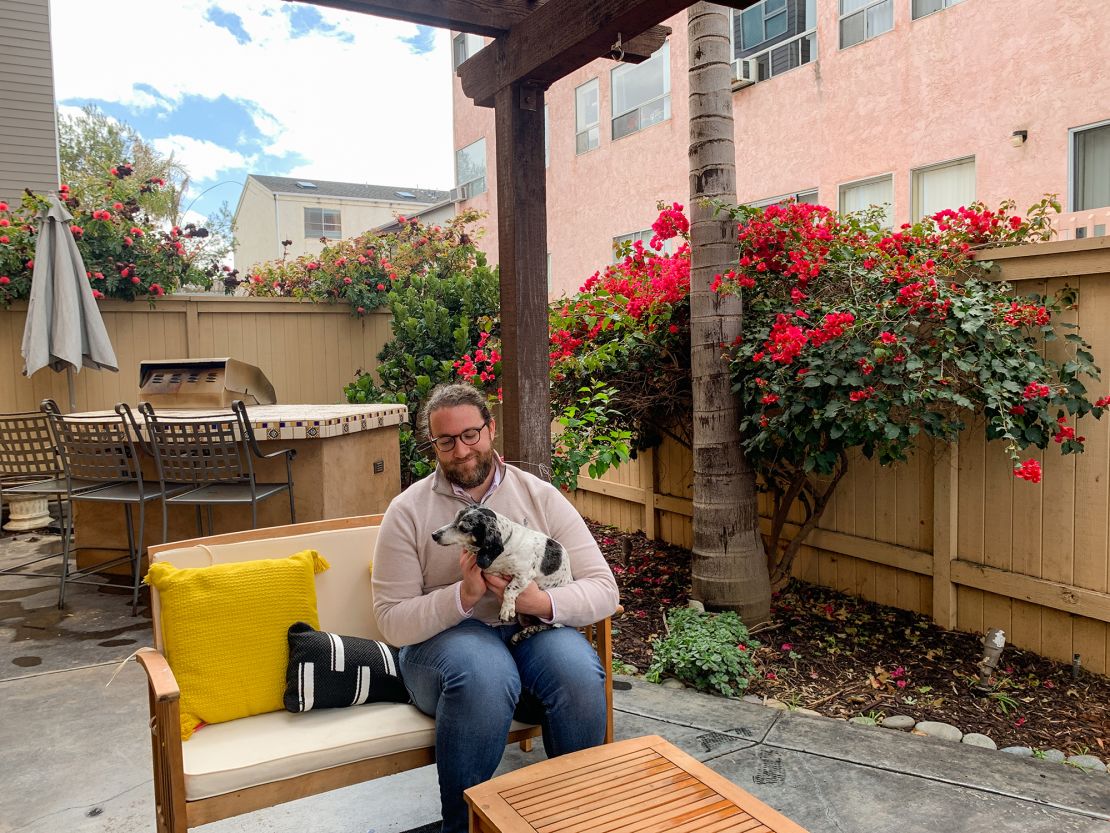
(470,436)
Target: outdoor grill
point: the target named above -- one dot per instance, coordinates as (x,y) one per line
(203,383)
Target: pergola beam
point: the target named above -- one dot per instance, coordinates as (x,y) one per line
(479,17)
(559,37)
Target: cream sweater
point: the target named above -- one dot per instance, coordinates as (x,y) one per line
(416,581)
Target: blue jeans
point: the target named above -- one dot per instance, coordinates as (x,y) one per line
(473,683)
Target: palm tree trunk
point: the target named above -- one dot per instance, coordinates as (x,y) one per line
(729,564)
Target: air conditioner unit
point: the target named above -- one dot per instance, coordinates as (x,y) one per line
(745,72)
(456,194)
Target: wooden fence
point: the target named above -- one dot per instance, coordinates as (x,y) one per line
(951,533)
(308,351)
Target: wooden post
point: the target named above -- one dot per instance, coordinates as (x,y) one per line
(522,233)
(946,474)
(647,478)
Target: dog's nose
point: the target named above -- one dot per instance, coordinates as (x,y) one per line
(436,535)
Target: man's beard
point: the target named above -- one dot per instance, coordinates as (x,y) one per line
(471,472)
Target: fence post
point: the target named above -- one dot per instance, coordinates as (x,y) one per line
(192,328)
(945,527)
(647,478)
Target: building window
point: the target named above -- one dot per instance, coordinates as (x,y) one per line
(807,197)
(669,246)
(773,37)
(862,20)
(1090,153)
(879,190)
(322,222)
(642,93)
(924,7)
(937,187)
(470,170)
(463,46)
(587,117)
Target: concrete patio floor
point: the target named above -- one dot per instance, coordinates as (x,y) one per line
(77,754)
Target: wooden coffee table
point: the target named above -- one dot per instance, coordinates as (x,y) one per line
(644,785)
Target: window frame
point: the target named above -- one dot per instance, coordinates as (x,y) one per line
(867,180)
(764,17)
(915,210)
(468,40)
(795,195)
(460,186)
(945,6)
(1073,134)
(764,56)
(870,4)
(663,55)
(580,129)
(323,225)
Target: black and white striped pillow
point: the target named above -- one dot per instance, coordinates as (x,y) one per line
(327,671)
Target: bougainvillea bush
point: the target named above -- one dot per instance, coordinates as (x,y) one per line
(362,270)
(859,337)
(126,254)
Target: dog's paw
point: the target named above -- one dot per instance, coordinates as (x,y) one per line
(508,613)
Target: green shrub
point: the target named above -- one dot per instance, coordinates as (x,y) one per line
(710,651)
(442,303)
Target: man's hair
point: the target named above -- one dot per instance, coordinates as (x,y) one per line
(449,396)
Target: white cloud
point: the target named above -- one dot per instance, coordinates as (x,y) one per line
(203,160)
(369,110)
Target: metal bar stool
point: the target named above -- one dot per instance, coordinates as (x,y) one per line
(102,464)
(31,468)
(214,453)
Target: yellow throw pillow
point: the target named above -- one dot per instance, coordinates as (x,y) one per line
(224,632)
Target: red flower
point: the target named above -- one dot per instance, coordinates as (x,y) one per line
(4,280)
(135,279)
(1036,390)
(861,395)
(769,399)
(673,329)
(77,230)
(1029,470)
(1102,402)
(380,287)
(3,206)
(127,241)
(4,238)
(118,206)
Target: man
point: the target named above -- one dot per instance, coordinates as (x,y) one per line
(441,609)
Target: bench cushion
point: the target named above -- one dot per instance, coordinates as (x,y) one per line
(225,757)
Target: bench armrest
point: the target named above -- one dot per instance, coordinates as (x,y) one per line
(600,635)
(164,696)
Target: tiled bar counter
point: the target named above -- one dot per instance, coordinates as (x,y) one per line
(348,463)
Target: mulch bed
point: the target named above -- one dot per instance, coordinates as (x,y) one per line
(844,656)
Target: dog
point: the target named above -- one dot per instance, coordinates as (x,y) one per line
(509,549)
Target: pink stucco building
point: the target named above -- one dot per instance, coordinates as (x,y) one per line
(920,104)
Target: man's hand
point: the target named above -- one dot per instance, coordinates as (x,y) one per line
(531,600)
(473,583)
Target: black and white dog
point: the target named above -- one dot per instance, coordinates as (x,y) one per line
(509,549)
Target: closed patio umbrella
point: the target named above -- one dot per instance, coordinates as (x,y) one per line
(64,330)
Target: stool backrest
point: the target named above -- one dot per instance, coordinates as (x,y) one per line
(27,450)
(204,448)
(95,448)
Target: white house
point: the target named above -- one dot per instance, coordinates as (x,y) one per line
(313,212)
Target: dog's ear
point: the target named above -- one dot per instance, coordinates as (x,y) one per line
(487,534)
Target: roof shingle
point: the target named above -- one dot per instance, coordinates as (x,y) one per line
(349,190)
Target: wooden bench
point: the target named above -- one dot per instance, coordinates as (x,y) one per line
(643,784)
(227,769)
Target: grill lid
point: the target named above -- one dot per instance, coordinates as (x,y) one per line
(203,383)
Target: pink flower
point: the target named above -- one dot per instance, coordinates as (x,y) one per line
(787,646)
(5,280)
(3,206)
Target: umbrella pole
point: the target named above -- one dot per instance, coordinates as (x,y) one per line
(72,390)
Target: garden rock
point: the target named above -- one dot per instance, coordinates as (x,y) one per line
(898,721)
(976,739)
(1088,762)
(808,712)
(672,683)
(933,729)
(1054,755)
(752,698)
(772,703)
(1020,751)
(861,720)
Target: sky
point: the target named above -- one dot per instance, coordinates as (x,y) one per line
(262,86)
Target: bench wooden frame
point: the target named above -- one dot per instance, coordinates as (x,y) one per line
(176,815)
